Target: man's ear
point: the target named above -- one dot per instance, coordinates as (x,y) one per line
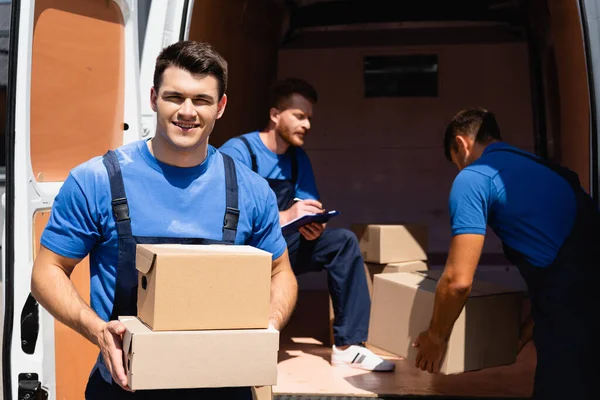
(221,106)
(153,99)
(274,115)
(462,144)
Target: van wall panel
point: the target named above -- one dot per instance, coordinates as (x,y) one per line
(381,160)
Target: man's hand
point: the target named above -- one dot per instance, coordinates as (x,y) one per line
(431,351)
(312,231)
(299,209)
(52,288)
(110,341)
(451,294)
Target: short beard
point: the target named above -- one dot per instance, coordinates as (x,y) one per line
(285,136)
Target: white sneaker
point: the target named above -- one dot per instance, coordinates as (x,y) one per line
(360,357)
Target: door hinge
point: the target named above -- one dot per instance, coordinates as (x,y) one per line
(30,388)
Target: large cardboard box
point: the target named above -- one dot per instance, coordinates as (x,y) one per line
(194,359)
(370,270)
(384,244)
(192,287)
(486,333)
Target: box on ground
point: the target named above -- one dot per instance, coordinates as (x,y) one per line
(385,244)
(486,333)
(370,270)
(192,287)
(195,359)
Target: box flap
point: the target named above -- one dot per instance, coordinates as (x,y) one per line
(134,325)
(204,249)
(412,279)
(145,259)
(127,351)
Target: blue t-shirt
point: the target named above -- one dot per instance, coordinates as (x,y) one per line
(164,201)
(274,166)
(530,207)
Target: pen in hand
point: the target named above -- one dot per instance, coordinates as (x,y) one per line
(297,199)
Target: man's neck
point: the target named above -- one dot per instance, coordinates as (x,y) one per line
(273,141)
(479,148)
(167,154)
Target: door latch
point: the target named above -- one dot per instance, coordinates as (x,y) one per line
(30,388)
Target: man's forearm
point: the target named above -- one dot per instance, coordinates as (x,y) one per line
(284,292)
(53,289)
(449,302)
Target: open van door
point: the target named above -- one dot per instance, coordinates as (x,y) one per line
(73,93)
(166,22)
(590,18)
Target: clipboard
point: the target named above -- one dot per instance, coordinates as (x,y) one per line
(293,225)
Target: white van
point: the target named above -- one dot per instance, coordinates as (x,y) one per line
(75,78)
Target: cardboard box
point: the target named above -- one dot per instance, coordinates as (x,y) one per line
(371,269)
(262,393)
(193,287)
(195,359)
(486,333)
(384,244)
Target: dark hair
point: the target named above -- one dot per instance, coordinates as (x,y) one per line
(194,57)
(477,123)
(282,90)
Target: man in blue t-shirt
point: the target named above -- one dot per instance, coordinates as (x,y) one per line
(174,188)
(550,230)
(276,154)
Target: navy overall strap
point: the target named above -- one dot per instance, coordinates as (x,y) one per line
(120,207)
(291,152)
(294,158)
(232,212)
(126,276)
(252,154)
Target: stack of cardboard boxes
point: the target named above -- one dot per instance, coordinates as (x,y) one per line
(203,318)
(485,334)
(392,248)
(388,249)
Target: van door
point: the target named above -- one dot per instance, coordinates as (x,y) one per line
(73,93)
(590,16)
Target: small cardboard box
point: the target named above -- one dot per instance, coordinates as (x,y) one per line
(198,359)
(486,333)
(371,269)
(193,287)
(384,244)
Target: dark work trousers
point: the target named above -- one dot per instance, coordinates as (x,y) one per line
(563,303)
(337,251)
(100,389)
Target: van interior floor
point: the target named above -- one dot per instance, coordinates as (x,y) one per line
(305,371)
